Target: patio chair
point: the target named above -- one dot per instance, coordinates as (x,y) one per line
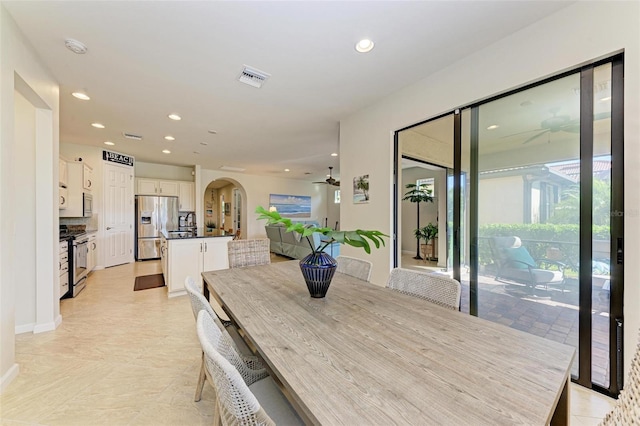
(514,263)
(357,268)
(248,252)
(240,401)
(235,347)
(435,288)
(627,409)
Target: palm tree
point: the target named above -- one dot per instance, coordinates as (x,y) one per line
(417,194)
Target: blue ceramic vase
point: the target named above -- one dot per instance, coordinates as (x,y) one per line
(317,270)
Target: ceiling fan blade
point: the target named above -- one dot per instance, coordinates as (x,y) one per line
(535,136)
(336,183)
(520,133)
(319,182)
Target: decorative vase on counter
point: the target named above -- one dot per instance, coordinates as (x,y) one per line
(318,269)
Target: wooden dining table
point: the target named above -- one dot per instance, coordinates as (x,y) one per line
(368,355)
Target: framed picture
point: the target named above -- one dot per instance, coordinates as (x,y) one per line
(291,206)
(361,189)
(227,209)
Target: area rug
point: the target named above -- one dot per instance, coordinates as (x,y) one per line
(148,281)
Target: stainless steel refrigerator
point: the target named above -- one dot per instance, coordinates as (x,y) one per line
(153,215)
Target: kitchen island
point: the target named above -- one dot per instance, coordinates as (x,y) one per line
(189,252)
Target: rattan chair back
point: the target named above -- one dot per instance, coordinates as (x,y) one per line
(435,288)
(357,268)
(249,252)
(235,402)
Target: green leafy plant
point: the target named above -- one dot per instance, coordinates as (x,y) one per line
(430,232)
(358,238)
(417,194)
(210,224)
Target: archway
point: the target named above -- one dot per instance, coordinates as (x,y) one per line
(224,205)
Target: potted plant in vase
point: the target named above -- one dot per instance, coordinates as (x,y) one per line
(210,225)
(430,234)
(417,194)
(318,267)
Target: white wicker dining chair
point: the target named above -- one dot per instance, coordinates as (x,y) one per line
(233,348)
(236,402)
(357,268)
(435,288)
(249,252)
(627,408)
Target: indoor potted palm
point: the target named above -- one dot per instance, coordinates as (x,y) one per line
(417,194)
(318,267)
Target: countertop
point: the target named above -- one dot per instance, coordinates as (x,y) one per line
(189,233)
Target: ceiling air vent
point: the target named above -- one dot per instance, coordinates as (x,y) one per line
(232,169)
(132,136)
(253,77)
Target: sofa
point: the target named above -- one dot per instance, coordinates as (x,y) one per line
(293,245)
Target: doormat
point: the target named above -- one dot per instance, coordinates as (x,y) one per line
(148,281)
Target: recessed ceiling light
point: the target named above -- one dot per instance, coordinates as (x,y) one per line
(493,126)
(81,95)
(109,143)
(75,46)
(166,151)
(98,125)
(287,170)
(175,117)
(365,45)
(213,132)
(334,154)
(170,138)
(608,98)
(204,143)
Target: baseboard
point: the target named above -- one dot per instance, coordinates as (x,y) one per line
(58,321)
(47,326)
(25,328)
(8,377)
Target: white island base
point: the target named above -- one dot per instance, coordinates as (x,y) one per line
(182,257)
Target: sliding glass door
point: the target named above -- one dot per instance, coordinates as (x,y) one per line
(533,211)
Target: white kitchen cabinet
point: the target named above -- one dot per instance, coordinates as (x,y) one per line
(147,186)
(75,199)
(63,197)
(186,196)
(62,173)
(87,177)
(190,257)
(63,268)
(92,253)
(168,187)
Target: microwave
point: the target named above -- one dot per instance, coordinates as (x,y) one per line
(87,205)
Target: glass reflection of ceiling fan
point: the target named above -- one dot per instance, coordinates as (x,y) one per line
(330,180)
(558,123)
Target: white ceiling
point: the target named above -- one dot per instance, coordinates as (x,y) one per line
(148,59)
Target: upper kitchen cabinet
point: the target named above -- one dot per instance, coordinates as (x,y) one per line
(147,186)
(186,197)
(87,177)
(62,173)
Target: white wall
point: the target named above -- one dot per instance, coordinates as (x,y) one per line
(24,201)
(575,35)
(163,171)
(21,69)
(256,192)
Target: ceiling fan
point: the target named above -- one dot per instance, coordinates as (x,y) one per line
(555,123)
(330,180)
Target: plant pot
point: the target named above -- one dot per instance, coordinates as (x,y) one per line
(317,270)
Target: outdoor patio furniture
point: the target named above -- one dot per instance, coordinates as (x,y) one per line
(514,263)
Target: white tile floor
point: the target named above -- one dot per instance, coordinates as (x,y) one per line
(131,358)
